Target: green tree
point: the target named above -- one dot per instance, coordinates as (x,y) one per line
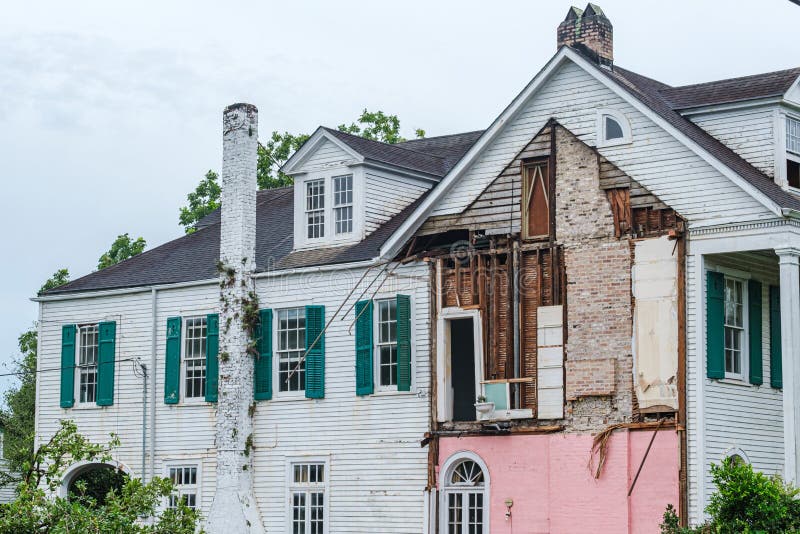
(202,201)
(377,126)
(121,249)
(20,402)
(35,511)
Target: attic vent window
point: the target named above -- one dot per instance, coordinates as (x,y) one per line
(612,128)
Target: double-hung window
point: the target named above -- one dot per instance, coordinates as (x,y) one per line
(194,357)
(343,204)
(185,486)
(735,340)
(87,363)
(386,337)
(793,152)
(307,498)
(291,333)
(315,208)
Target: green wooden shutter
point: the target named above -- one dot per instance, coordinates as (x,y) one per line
(754,311)
(172,364)
(403,343)
(715,325)
(106,349)
(212,357)
(775,349)
(315,359)
(262,377)
(364,374)
(68,365)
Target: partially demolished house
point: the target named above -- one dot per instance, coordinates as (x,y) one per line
(575,312)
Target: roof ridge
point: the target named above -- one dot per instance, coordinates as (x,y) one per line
(395,145)
(439,137)
(738,78)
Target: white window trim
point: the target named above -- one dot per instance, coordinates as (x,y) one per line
(618,116)
(782,154)
(735,451)
(350,205)
(376,356)
(77,380)
(445,489)
(301,239)
(187,462)
(276,362)
(184,399)
(740,378)
(444,400)
(388,293)
(291,461)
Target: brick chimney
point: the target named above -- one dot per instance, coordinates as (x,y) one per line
(589,31)
(234,508)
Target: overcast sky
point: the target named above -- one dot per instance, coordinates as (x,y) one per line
(110,112)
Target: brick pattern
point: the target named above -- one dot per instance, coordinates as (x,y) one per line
(598,276)
(594,32)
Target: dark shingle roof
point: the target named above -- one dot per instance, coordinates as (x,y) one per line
(758,86)
(434,156)
(649,92)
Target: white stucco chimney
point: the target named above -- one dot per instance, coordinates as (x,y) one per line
(234,508)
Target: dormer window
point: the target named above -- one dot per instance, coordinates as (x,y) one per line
(793,152)
(343,204)
(612,128)
(315,208)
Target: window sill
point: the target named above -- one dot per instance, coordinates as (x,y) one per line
(289,397)
(734,382)
(393,393)
(507,415)
(86,406)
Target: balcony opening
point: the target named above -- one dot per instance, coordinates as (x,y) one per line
(462,364)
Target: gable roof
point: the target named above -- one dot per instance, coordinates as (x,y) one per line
(644,94)
(758,86)
(194,257)
(434,156)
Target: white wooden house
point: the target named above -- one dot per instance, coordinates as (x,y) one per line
(324,428)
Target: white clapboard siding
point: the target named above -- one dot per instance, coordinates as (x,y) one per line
(386,195)
(748,132)
(327,154)
(550,362)
(378,471)
(734,417)
(656,160)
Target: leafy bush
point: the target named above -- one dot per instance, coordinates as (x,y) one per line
(745,501)
(133,509)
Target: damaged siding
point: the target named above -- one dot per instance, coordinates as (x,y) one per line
(386,195)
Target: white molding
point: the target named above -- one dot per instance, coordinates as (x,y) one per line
(624,124)
(188,461)
(730,106)
(80,467)
(444,398)
(444,475)
(297,159)
(307,458)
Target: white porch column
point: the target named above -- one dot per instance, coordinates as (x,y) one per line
(789,259)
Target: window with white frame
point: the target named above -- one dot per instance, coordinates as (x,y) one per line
(185,485)
(735,307)
(465,499)
(793,152)
(307,497)
(194,357)
(612,128)
(315,208)
(343,204)
(386,341)
(87,363)
(291,345)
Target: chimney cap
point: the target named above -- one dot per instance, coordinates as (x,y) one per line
(242,105)
(593,10)
(574,13)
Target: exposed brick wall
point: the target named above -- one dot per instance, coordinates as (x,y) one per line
(598,276)
(592,30)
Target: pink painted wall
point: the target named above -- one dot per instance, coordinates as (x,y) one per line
(549,479)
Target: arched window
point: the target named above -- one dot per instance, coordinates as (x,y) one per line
(612,128)
(465,496)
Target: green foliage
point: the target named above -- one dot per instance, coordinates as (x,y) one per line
(273,154)
(94,485)
(17,416)
(202,201)
(378,126)
(121,249)
(59,278)
(36,511)
(745,501)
